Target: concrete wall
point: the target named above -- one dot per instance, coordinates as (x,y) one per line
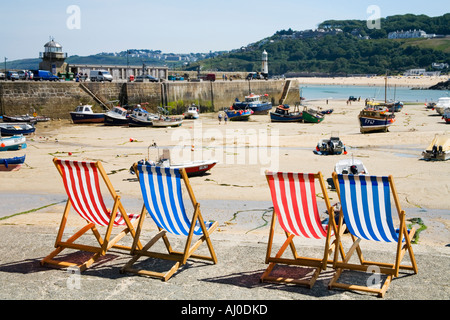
(58,99)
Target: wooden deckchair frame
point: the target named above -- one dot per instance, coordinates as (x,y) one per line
(180,258)
(389,269)
(105,243)
(318,263)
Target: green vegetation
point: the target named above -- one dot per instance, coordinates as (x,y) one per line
(347,51)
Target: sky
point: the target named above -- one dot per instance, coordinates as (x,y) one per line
(85,27)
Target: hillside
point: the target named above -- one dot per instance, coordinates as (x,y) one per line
(338,47)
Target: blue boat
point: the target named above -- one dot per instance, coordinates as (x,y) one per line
(283,114)
(238,115)
(12,129)
(11,164)
(84,114)
(255,103)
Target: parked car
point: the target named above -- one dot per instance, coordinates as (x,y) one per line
(100,75)
(146,78)
(40,75)
(2,76)
(257,76)
(25,75)
(12,75)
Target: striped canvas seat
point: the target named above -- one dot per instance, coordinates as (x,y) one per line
(294,200)
(163,199)
(366,205)
(82,184)
(82,180)
(295,207)
(366,209)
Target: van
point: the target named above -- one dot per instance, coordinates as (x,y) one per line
(44,75)
(100,75)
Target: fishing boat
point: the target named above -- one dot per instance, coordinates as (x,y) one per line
(439,148)
(442,104)
(192,112)
(283,113)
(257,103)
(116,116)
(26,118)
(84,114)
(350,166)
(330,146)
(11,164)
(13,143)
(17,128)
(312,116)
(374,120)
(142,118)
(166,121)
(193,168)
(238,115)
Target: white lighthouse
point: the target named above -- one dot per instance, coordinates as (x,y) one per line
(265,64)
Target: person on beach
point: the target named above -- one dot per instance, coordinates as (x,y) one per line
(220,117)
(225,117)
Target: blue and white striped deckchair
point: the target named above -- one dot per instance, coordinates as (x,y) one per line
(366,209)
(163,199)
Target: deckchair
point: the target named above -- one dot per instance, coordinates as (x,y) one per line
(161,189)
(366,208)
(82,184)
(295,206)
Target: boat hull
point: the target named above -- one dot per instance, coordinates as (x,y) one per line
(87,118)
(372,124)
(239,115)
(13,143)
(12,129)
(11,164)
(311,118)
(167,123)
(275,117)
(112,121)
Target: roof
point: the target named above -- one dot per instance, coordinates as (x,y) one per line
(53,44)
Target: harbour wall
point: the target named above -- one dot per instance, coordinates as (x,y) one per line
(57,99)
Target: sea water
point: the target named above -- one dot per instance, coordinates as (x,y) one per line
(404,94)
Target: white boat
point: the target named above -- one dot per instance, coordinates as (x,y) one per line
(350,166)
(439,148)
(116,116)
(13,143)
(84,114)
(442,104)
(165,121)
(191,112)
(193,168)
(141,117)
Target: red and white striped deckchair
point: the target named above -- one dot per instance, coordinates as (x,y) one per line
(82,184)
(295,207)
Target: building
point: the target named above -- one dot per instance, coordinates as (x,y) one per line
(421,72)
(121,72)
(408,34)
(53,58)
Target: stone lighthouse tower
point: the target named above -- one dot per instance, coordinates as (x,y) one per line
(53,58)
